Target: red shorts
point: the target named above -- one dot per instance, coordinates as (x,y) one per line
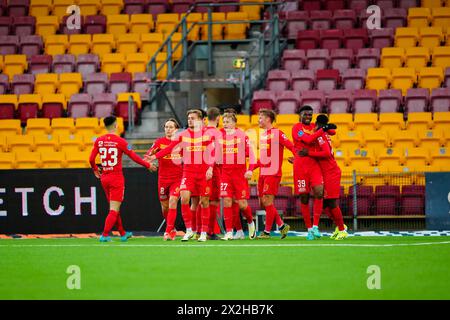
(196,183)
(167,189)
(332,185)
(114,186)
(234,185)
(268,185)
(306,177)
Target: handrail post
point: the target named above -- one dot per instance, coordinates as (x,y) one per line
(210,54)
(184,42)
(262,56)
(276,32)
(247,83)
(169,57)
(130,114)
(153,87)
(355,203)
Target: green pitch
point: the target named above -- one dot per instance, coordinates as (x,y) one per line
(148,268)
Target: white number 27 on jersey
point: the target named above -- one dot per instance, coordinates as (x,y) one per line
(113,156)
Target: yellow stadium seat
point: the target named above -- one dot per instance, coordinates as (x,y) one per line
(70,83)
(193,26)
(404,138)
(236,31)
(60,8)
(53,160)
(419,17)
(137,62)
(282,119)
(441,57)
(416,157)
(14,64)
(38,126)
(45,143)
(128,43)
(28,160)
(440,157)
(431,77)
(46,25)
(160,58)
(57,98)
(85,126)
(441,121)
(341,156)
(141,23)
(1,62)
(417,58)
(391,121)
(46,83)
(117,24)
(9,127)
(243,121)
(124,96)
(8,100)
(392,57)
(431,3)
(432,139)
(389,157)
(362,157)
(89,139)
(20,143)
(366,121)
(7,160)
(31,99)
(102,44)
(39,8)
(178,52)
(70,143)
(403,79)
(217,29)
(375,139)
(62,126)
(113,62)
(406,37)
(110,7)
(350,140)
(77,159)
(56,44)
(431,37)
(441,17)
(89,7)
(166,22)
(253,11)
(344,121)
(3,144)
(79,44)
(420,121)
(150,42)
(378,78)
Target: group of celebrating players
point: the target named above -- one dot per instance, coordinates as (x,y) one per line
(202,164)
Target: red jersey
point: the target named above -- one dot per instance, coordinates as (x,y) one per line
(271,147)
(170,166)
(111,147)
(324,154)
(236,149)
(197,149)
(217,150)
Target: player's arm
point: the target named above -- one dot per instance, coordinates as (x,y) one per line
(154,148)
(310,138)
(286,142)
(92,157)
(167,150)
(324,152)
(126,148)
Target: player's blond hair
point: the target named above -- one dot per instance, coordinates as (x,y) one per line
(268,113)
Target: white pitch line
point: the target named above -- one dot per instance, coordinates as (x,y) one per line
(128,245)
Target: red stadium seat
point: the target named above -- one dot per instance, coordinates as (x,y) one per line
(263,100)
(317,59)
(288,102)
(331,39)
(440,100)
(18,8)
(364,196)
(120,82)
(368,58)
(201,9)
(353,79)
(381,38)
(341,59)
(5,25)
(389,100)
(394,17)
(181,6)
(310,5)
(140,84)
(87,64)
(307,39)
(358,5)
(313,98)
(339,101)
(344,19)
(24,26)
(80,105)
(133,6)
(334,5)
(412,200)
(95,24)
(296,21)
(447,78)
(31,45)
(63,29)
(293,59)
(63,63)
(356,39)
(417,100)
(327,79)
(4,83)
(103,105)
(41,64)
(53,108)
(22,84)
(96,83)
(302,80)
(364,101)
(229,8)
(278,80)
(320,20)
(386,198)
(9,45)
(408,3)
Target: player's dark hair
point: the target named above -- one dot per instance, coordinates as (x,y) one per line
(177,125)
(108,121)
(322,119)
(213,113)
(305,108)
(198,112)
(268,113)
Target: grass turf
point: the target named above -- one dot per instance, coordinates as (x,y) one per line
(148,268)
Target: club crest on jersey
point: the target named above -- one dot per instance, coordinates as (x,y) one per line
(301,133)
(129,147)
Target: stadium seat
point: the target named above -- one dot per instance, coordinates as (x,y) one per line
(56,44)
(417,58)
(355,39)
(28,106)
(447,78)
(180,6)
(378,78)
(416,100)
(430,37)
(293,59)
(341,59)
(193,26)
(339,101)
(38,126)
(350,140)
(53,160)
(317,59)
(310,5)
(96,83)
(416,157)
(375,139)
(364,203)
(30,45)
(389,100)
(4,83)
(391,121)
(392,57)
(136,62)
(217,29)
(10,127)
(60,8)
(404,138)
(364,101)
(166,23)
(287,102)
(120,82)
(394,17)
(14,64)
(6,25)
(156,7)
(63,63)
(62,126)
(74,28)
(46,83)
(431,139)
(44,143)
(103,105)
(390,157)
(87,64)
(79,105)
(440,100)
(307,39)
(344,19)
(253,12)
(327,79)
(412,200)
(95,24)
(46,25)
(239,30)
(366,121)
(440,157)
(53,105)
(381,38)
(141,23)
(41,64)
(113,62)
(122,109)
(7,160)
(420,121)
(320,19)
(89,7)
(263,100)
(431,3)
(386,199)
(430,77)
(28,160)
(296,21)
(353,79)
(22,84)
(278,80)
(403,79)
(117,24)
(70,83)
(419,17)
(313,98)
(151,42)
(441,57)
(440,17)
(441,120)
(8,105)
(102,44)
(140,84)
(23,26)
(69,143)
(77,159)
(79,44)
(9,45)
(111,7)
(302,80)
(21,143)
(86,126)
(127,43)
(341,157)
(406,37)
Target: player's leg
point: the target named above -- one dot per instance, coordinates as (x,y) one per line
(317,209)
(164,208)
(302,189)
(195,214)
(247,211)
(205,213)
(186,214)
(228,217)
(163,196)
(172,211)
(237,224)
(214,205)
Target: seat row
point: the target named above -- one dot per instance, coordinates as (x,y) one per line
(44,160)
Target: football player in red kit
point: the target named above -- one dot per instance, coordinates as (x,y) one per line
(169,178)
(111,147)
(331,175)
(272,142)
(198,162)
(236,149)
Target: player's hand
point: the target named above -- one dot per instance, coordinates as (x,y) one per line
(303,152)
(152,168)
(329,126)
(209,173)
(149,158)
(291,160)
(97,174)
(248,175)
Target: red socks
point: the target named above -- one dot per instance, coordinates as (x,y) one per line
(271,213)
(205,212)
(339,220)
(110,222)
(248,214)
(212,218)
(164,213)
(187,215)
(170,220)
(199,218)
(119,225)
(228,217)
(306,215)
(317,211)
(193,219)
(329,214)
(237,217)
